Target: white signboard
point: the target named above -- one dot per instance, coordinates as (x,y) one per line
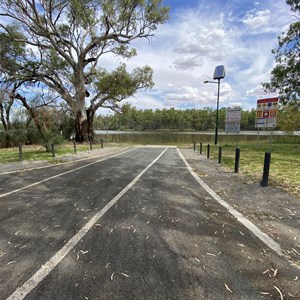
(233,120)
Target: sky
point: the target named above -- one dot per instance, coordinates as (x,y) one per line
(202,34)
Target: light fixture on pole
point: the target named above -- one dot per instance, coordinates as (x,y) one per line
(219,74)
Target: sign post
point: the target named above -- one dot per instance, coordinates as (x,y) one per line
(233,120)
(266,117)
(266,113)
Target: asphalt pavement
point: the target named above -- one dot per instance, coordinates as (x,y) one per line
(134,224)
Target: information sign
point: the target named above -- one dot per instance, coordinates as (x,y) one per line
(233,120)
(266,112)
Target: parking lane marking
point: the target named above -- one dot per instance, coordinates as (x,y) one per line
(61,174)
(249,225)
(34,280)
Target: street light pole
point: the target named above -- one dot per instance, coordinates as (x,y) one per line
(217,115)
(219,74)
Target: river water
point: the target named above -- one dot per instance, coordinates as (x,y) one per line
(179,138)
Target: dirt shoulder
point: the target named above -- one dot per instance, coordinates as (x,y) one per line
(271,209)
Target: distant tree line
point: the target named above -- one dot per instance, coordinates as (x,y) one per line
(56,123)
(190,119)
(169,119)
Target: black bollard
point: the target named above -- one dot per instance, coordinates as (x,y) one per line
(74,147)
(220,155)
(237,160)
(101,143)
(91,145)
(194,146)
(52,150)
(265,180)
(208,150)
(200,148)
(20,152)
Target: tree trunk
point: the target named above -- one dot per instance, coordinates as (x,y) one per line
(81,113)
(84,128)
(81,127)
(90,122)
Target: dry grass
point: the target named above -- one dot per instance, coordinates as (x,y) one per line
(284,168)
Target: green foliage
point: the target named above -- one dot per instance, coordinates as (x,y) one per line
(56,126)
(12,51)
(68,39)
(130,118)
(289,119)
(120,84)
(170,119)
(285,76)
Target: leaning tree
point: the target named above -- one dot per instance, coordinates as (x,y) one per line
(64,41)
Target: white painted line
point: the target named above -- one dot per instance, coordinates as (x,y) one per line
(34,280)
(60,174)
(255,230)
(55,165)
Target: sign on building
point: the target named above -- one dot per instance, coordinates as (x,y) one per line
(266,112)
(233,120)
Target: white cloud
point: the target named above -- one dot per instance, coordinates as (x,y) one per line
(261,18)
(185,51)
(188,62)
(256,91)
(146,101)
(234,104)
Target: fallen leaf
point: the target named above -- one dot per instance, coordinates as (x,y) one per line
(278,290)
(228,289)
(274,272)
(292,295)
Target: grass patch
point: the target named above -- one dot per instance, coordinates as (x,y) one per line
(284,168)
(38,152)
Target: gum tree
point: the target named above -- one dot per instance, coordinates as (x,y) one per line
(64,41)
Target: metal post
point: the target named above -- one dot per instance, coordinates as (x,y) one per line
(237,160)
(201,148)
(194,146)
(237,138)
(91,145)
(20,152)
(220,155)
(217,115)
(265,180)
(271,139)
(52,150)
(101,141)
(74,147)
(208,150)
